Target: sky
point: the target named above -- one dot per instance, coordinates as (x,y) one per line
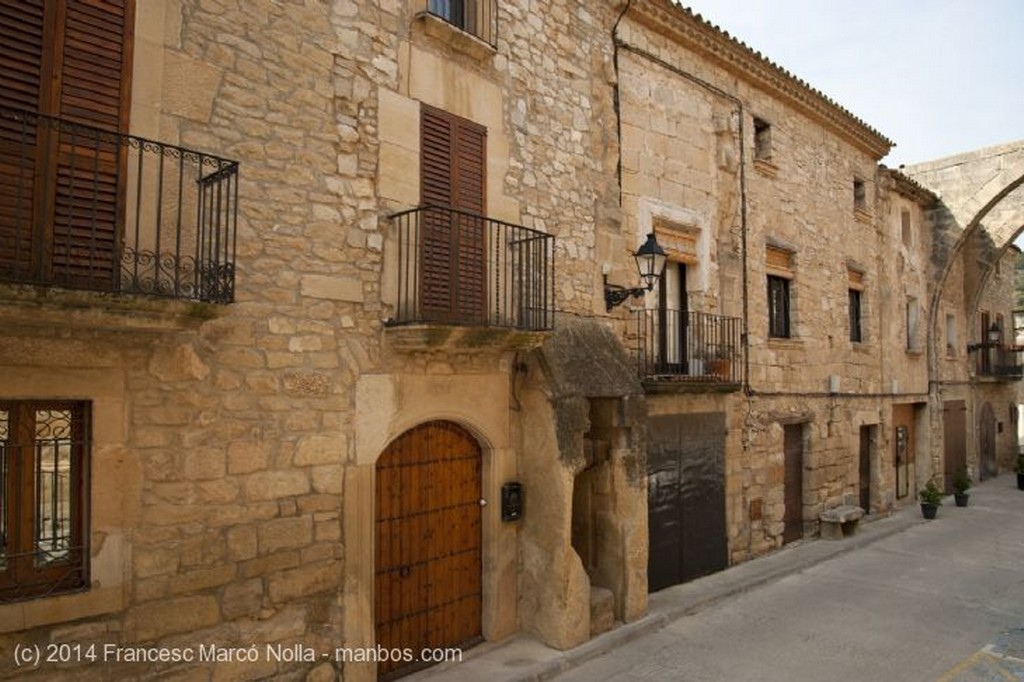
(937,77)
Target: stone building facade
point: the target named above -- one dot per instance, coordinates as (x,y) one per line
(384,403)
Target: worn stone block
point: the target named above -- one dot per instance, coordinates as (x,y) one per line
(171,616)
(271,484)
(303,581)
(285,533)
(242,599)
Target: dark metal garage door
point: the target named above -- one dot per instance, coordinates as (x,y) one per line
(686,497)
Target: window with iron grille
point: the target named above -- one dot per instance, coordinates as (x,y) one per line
(476,17)
(778,307)
(44,464)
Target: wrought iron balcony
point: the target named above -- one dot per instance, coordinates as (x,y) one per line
(1000,362)
(478,18)
(459,268)
(679,346)
(84,208)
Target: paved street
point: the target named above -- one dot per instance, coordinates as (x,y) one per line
(903,600)
(941,600)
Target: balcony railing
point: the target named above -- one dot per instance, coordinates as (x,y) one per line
(687,346)
(459,268)
(479,18)
(1000,362)
(84,208)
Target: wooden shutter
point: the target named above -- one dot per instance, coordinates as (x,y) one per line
(93,91)
(69,59)
(453,239)
(21,64)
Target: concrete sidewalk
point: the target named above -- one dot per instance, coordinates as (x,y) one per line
(525,658)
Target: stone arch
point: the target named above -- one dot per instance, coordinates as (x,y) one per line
(979,212)
(388,405)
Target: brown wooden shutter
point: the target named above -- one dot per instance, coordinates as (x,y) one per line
(69,59)
(21,63)
(93,91)
(21,35)
(453,242)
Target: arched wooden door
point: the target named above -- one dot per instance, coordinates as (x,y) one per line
(428,583)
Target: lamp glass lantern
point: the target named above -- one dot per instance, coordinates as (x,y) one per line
(650,261)
(994,334)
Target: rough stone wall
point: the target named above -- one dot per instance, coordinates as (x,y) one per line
(231,455)
(239,431)
(242,437)
(683,118)
(999,300)
(562,128)
(582,382)
(229,474)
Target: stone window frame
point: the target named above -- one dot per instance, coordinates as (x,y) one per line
(951,335)
(459,37)
(781,271)
(685,235)
(856,315)
(861,207)
(762,140)
(40,559)
(780,324)
(906,228)
(912,325)
(763,150)
(856,298)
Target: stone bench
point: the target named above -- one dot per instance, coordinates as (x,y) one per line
(840,522)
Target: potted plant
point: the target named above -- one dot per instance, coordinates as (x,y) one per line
(1019,468)
(931,498)
(961,484)
(720,361)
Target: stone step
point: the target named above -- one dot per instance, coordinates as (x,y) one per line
(602,610)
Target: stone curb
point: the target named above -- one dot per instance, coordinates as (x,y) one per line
(734,581)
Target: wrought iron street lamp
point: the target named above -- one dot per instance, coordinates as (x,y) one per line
(993,337)
(650,262)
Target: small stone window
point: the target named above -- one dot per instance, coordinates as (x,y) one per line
(476,17)
(762,140)
(906,228)
(951,336)
(860,195)
(855,291)
(778,307)
(913,324)
(780,270)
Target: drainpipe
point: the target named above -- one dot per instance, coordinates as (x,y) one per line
(615,95)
